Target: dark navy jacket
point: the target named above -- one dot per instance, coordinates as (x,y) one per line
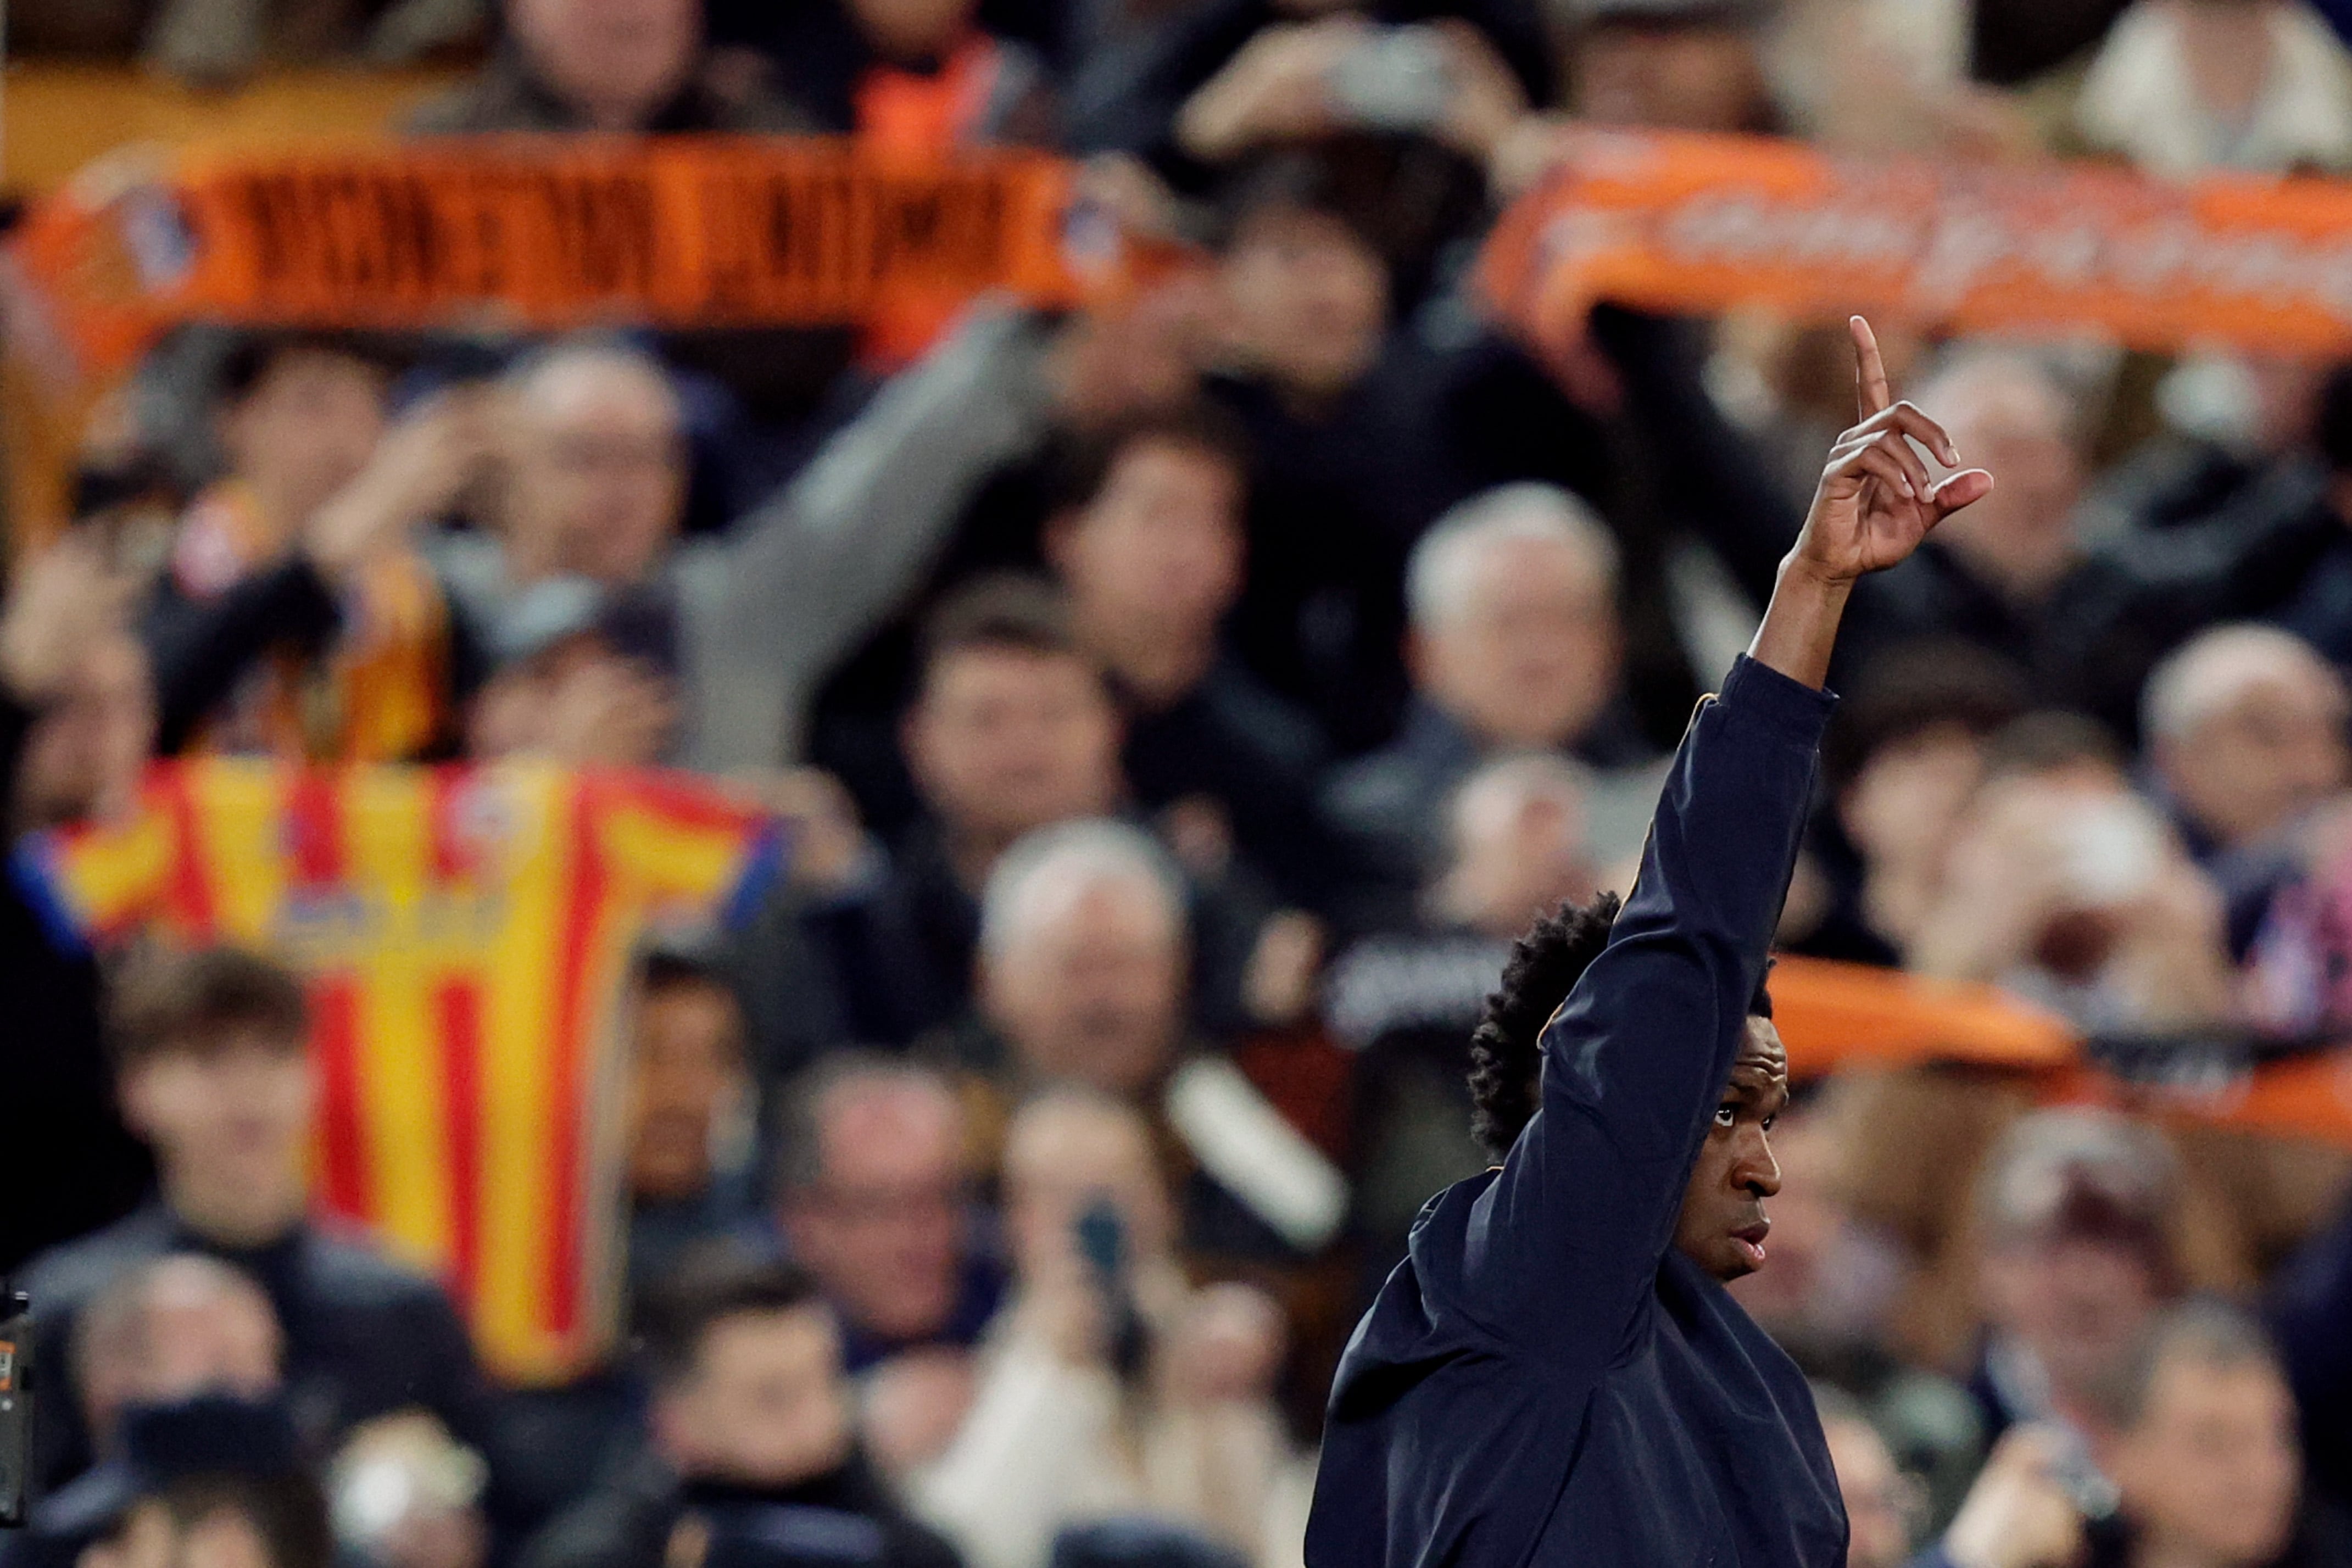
(1543,1379)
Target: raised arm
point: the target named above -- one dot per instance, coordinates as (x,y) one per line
(1571,1232)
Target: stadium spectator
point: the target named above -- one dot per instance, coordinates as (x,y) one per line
(2182,89)
(294,617)
(1902,762)
(2204,1467)
(1515,645)
(75,721)
(1404,1000)
(212,1073)
(1882,1503)
(1149,545)
(608,66)
(582,676)
(181,1326)
(2065,886)
(1671,65)
(1082,960)
(2245,730)
(236,1508)
(693,1113)
(750,1439)
(2077,1211)
(2009,577)
(873,1197)
(1109,1385)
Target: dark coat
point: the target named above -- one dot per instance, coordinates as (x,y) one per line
(1545,1379)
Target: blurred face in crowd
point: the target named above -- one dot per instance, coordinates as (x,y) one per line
(1527,654)
(2079,1302)
(1157,554)
(1518,847)
(688,1073)
(1064,1155)
(583,702)
(196,1327)
(764,1404)
(2273,750)
(228,1114)
(303,432)
(1090,987)
(2009,418)
(912,30)
(597,469)
(882,1227)
(1004,739)
(1879,1498)
(86,752)
(615,61)
(1308,300)
(1667,76)
(1722,1225)
(2210,1471)
(1904,802)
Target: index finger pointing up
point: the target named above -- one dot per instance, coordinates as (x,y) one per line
(1869,370)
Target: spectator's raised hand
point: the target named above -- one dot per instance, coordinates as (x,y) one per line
(605,711)
(2018,1515)
(418,471)
(1877,500)
(1273,91)
(62,601)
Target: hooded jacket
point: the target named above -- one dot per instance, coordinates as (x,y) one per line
(1543,1379)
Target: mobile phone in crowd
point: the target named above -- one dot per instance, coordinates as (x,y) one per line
(1397,79)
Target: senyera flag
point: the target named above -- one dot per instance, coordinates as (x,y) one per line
(1695,224)
(524,233)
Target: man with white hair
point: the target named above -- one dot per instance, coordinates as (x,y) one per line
(1084,961)
(597,469)
(1515,645)
(2244,727)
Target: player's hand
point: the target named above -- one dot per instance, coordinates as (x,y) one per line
(1877,499)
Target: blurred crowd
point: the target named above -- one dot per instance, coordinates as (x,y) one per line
(1175,707)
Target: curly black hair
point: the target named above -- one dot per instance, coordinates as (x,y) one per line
(1507,1049)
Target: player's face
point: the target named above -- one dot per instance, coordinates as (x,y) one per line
(1722,1224)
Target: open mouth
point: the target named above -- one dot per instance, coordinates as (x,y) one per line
(1750,1239)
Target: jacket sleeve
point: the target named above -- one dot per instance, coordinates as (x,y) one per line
(814,569)
(1564,1244)
(201,649)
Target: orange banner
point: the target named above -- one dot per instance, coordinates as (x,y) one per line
(545,231)
(1692,223)
(1836,1017)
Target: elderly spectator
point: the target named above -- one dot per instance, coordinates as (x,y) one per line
(1149,543)
(2245,729)
(1084,949)
(692,1114)
(604,64)
(873,1196)
(183,1325)
(751,1437)
(2078,1214)
(212,1073)
(2063,885)
(1108,1386)
(596,485)
(75,721)
(2204,1467)
(1516,645)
